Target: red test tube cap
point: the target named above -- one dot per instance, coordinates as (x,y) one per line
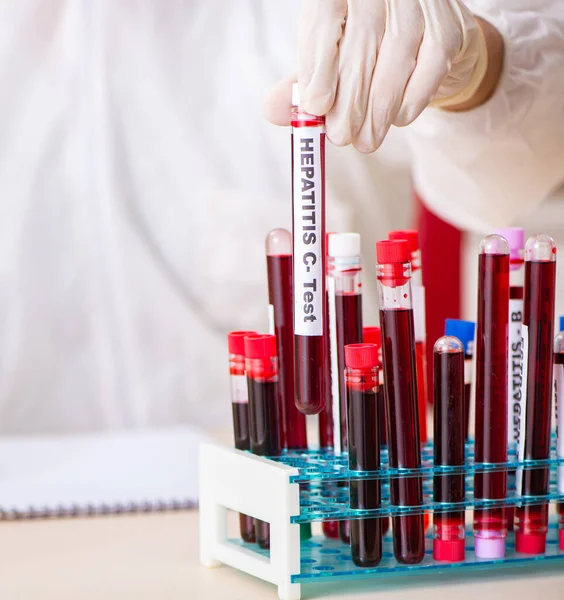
(392,252)
(530,543)
(260,346)
(361,356)
(236,341)
(411,236)
(448,550)
(372,335)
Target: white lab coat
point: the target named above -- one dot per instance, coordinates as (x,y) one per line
(138,180)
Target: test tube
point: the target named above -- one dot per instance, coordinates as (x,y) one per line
(490,526)
(412,238)
(240,409)
(293,433)
(308,207)
(448,369)
(398,353)
(361,376)
(465,331)
(373,335)
(531,523)
(262,377)
(515,237)
(559,394)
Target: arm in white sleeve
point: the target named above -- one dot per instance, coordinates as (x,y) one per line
(490,166)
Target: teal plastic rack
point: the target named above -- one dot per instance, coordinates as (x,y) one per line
(297,488)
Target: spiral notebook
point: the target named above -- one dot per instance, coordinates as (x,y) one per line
(104,473)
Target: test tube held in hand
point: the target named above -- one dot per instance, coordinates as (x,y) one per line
(515,237)
(293,434)
(490,526)
(240,409)
(262,376)
(531,523)
(411,236)
(308,207)
(398,353)
(559,397)
(361,377)
(450,433)
(465,331)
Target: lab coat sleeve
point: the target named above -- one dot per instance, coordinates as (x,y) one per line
(488,167)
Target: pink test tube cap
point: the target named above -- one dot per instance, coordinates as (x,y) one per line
(448,550)
(561,533)
(492,548)
(530,543)
(515,237)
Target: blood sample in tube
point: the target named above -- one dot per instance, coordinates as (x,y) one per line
(262,377)
(398,353)
(559,396)
(490,526)
(515,237)
(450,433)
(373,335)
(465,331)
(411,236)
(240,409)
(279,268)
(308,206)
(531,523)
(361,378)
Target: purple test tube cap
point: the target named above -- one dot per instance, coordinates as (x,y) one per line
(492,548)
(515,237)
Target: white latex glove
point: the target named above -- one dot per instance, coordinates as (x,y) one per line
(368,64)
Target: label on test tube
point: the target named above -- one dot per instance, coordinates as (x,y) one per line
(559,408)
(239,389)
(418,292)
(308,268)
(521,418)
(515,371)
(271,321)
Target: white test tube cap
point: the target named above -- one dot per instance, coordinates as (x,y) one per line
(492,548)
(295,94)
(343,245)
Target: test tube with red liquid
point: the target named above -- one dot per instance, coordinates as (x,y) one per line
(308,206)
(240,409)
(490,526)
(559,397)
(262,377)
(293,434)
(465,331)
(398,353)
(531,523)
(450,433)
(361,377)
(373,335)
(515,237)
(412,238)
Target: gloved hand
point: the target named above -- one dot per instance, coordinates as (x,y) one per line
(368,64)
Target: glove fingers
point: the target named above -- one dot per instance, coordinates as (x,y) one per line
(360,43)
(320,29)
(395,64)
(432,67)
(278,102)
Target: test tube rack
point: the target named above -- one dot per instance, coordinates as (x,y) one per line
(303,487)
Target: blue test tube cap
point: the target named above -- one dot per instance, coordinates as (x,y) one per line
(561,324)
(463,330)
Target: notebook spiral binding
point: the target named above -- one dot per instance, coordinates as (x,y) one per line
(95,510)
